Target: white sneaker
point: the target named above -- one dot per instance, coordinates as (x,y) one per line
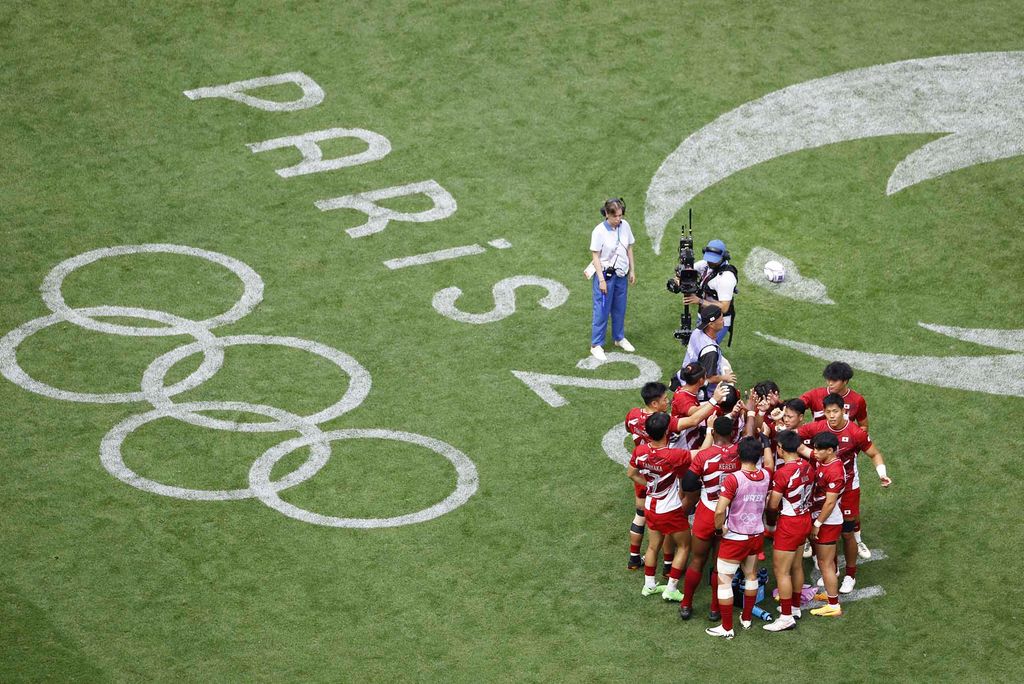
(598,353)
(807,550)
(783,623)
(746,623)
(848,584)
(821,582)
(863,551)
(719,631)
(624,345)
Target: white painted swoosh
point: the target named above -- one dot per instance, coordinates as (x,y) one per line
(977,99)
(1001,374)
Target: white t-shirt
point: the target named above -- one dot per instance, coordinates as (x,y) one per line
(724,284)
(612,245)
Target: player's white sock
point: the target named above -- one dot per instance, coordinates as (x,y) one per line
(650,581)
(673,584)
(856,535)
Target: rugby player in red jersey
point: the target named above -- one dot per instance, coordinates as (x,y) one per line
(790,416)
(829,482)
(655,398)
(707,469)
(688,413)
(659,467)
(852,440)
(739,517)
(837,381)
(789,504)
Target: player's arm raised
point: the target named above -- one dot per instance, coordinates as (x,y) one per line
(700,413)
(768,460)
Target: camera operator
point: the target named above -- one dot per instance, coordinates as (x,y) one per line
(703,349)
(717,285)
(611,253)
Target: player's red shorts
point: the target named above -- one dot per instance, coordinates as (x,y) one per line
(639,490)
(849,503)
(667,523)
(704,523)
(737,550)
(829,533)
(792,531)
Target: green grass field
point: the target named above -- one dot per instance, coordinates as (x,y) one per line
(530,115)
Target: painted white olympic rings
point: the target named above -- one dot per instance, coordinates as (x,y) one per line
(212,348)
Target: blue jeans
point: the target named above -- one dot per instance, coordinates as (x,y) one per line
(611,304)
(721,335)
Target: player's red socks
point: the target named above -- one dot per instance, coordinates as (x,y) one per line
(634,549)
(787,606)
(690,584)
(833,600)
(675,573)
(649,571)
(851,571)
(726,615)
(714,594)
(748,607)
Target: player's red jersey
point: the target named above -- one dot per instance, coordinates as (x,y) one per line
(661,467)
(852,440)
(682,404)
(830,478)
(636,425)
(854,405)
(711,465)
(794,480)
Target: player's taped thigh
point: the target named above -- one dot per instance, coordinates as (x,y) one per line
(727,567)
(750,585)
(724,593)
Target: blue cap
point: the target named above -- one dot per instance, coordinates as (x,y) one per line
(714,252)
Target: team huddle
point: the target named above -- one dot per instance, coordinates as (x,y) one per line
(711,469)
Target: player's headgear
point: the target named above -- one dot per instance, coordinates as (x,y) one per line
(715,252)
(750,449)
(657,425)
(652,391)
